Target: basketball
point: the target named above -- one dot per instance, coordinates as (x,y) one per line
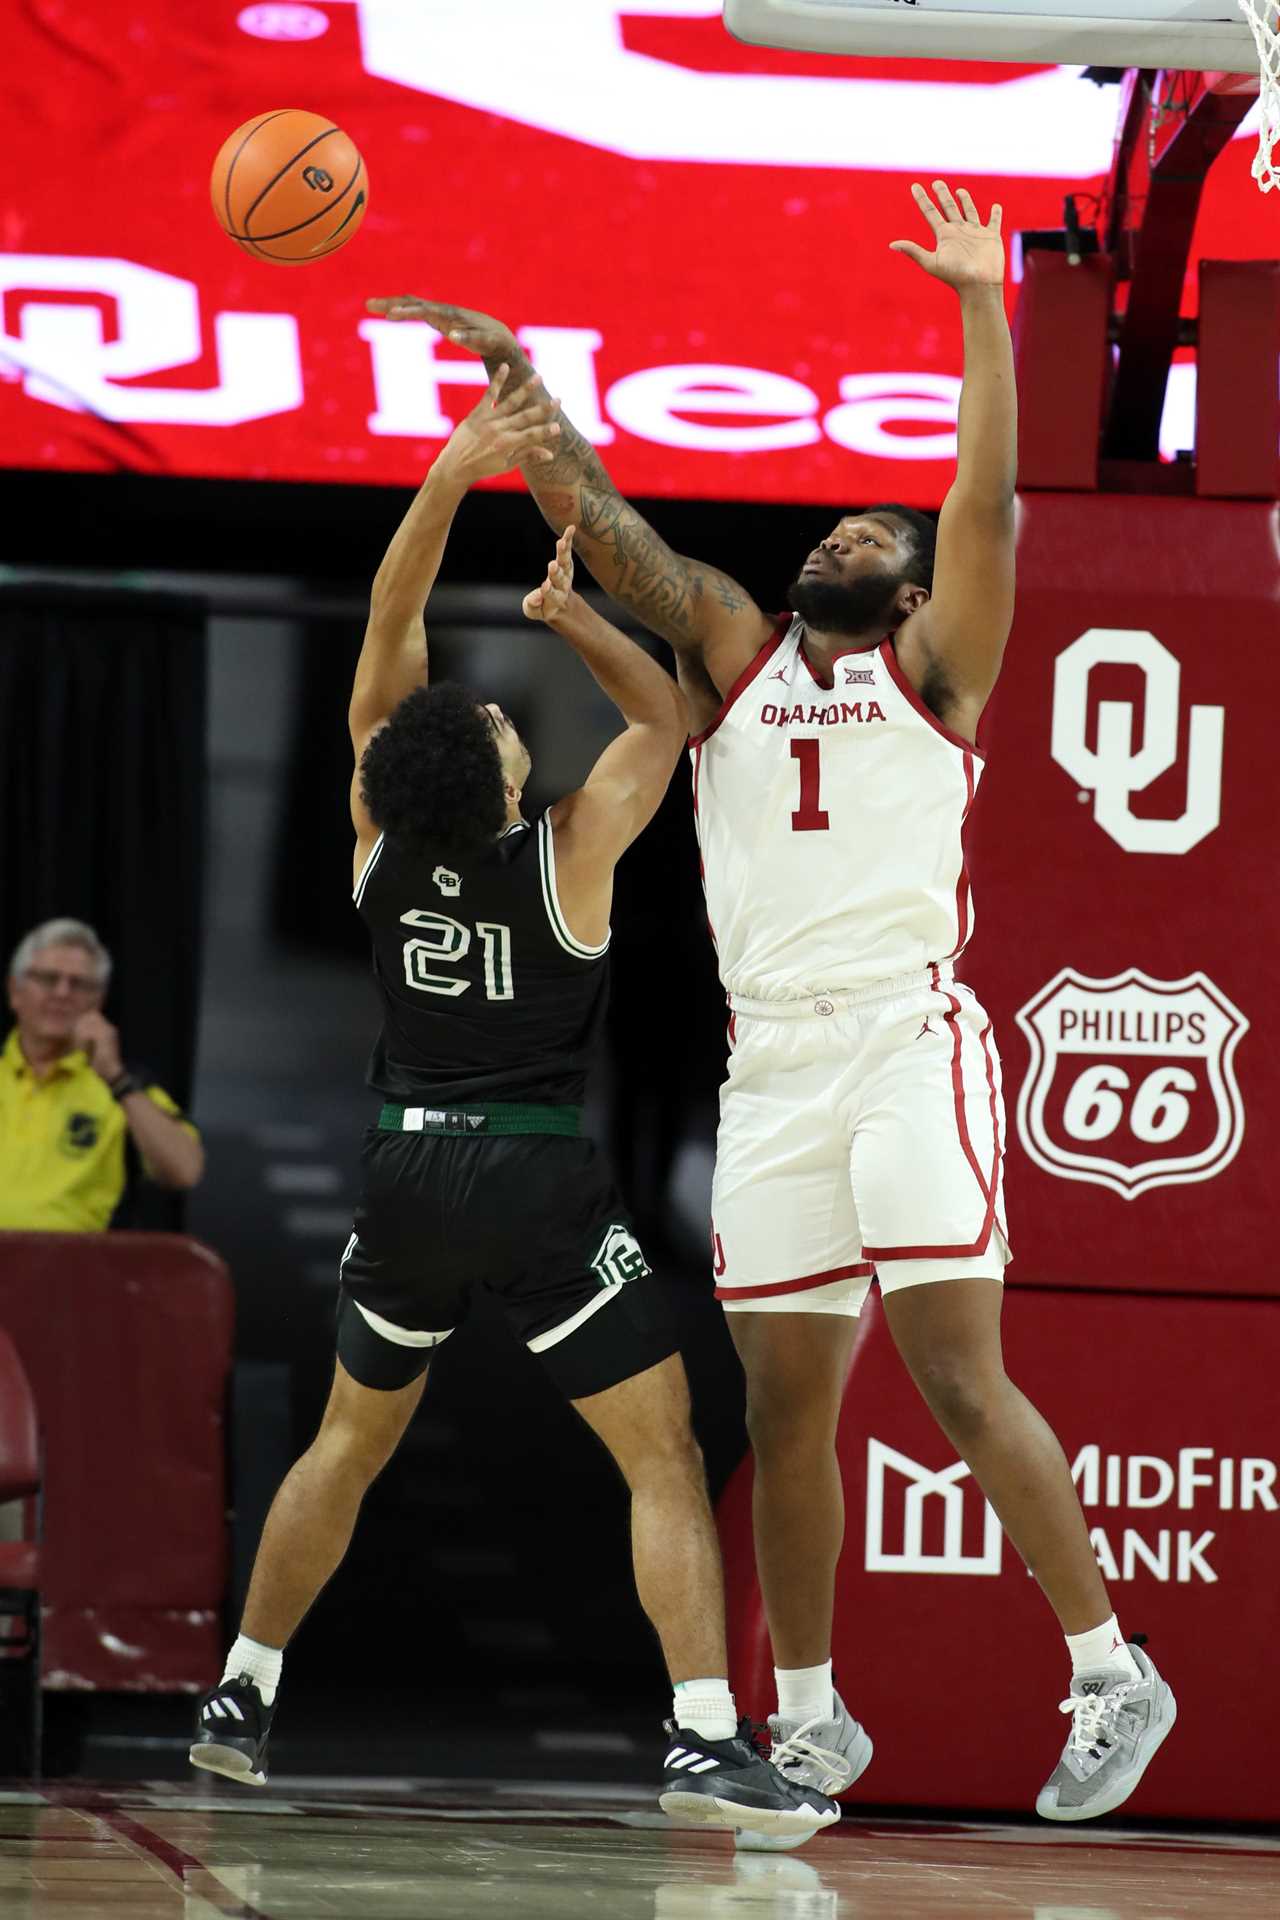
(289,186)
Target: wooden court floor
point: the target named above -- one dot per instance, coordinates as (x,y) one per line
(428,1851)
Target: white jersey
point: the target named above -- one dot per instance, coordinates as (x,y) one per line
(829,822)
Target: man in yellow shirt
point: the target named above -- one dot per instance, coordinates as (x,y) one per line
(69,1106)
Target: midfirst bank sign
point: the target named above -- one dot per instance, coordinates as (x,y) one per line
(927,1520)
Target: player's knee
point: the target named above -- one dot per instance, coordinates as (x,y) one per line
(360,1447)
(783,1422)
(961,1399)
(672,1455)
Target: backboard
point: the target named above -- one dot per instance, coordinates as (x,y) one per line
(1207,35)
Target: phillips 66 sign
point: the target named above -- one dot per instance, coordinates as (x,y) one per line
(1131,1083)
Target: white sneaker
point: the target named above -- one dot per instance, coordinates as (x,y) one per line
(827,1755)
(1117,1726)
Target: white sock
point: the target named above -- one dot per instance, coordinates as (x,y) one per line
(706,1707)
(261,1664)
(1101,1647)
(805,1693)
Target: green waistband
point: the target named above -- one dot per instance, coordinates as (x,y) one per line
(493,1116)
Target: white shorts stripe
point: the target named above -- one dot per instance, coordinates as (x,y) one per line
(401,1336)
(554,1335)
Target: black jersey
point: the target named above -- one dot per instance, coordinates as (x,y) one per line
(486,994)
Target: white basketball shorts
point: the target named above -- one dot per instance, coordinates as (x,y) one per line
(859,1133)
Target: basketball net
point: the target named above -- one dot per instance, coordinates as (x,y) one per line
(1264,17)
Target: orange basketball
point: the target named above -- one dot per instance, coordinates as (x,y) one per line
(289,186)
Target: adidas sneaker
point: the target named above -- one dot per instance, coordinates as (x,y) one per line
(231,1732)
(729,1783)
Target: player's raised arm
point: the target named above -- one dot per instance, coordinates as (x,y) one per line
(594,826)
(699,611)
(965,624)
(513,422)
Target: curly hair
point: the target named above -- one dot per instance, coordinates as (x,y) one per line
(924,532)
(432,776)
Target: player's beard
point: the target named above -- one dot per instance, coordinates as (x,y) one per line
(845,607)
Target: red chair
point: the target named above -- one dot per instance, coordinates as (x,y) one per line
(20,1478)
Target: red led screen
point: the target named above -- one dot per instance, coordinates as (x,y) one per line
(691,234)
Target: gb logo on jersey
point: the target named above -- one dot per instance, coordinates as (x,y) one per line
(1131,1083)
(619,1258)
(1114,769)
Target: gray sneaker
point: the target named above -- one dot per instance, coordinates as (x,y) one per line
(827,1755)
(1117,1726)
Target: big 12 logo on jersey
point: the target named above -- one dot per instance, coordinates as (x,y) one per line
(1131,1083)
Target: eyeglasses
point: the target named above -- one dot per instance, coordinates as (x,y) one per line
(78,983)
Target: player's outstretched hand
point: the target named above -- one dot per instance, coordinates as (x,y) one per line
(966,252)
(550,600)
(504,430)
(477,332)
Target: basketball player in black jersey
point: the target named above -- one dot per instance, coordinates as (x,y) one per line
(490,937)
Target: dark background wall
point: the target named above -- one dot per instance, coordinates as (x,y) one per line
(131,521)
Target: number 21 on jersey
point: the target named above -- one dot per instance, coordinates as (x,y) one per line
(808,816)
(441,938)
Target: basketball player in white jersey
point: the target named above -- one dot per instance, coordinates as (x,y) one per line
(862,1121)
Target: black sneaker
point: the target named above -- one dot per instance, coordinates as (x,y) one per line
(231,1732)
(729,1783)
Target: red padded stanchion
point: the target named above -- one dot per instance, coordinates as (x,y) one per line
(1237,394)
(1060,337)
(944,1645)
(126,1339)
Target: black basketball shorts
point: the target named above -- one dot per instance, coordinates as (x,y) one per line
(535,1219)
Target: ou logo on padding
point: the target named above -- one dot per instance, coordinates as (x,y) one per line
(1114,769)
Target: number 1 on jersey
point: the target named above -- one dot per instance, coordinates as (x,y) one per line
(808,816)
(497,960)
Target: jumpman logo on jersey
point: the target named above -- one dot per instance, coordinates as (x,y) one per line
(780,673)
(925,1027)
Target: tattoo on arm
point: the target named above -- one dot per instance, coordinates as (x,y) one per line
(659,586)
(727,591)
(575,460)
(640,570)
